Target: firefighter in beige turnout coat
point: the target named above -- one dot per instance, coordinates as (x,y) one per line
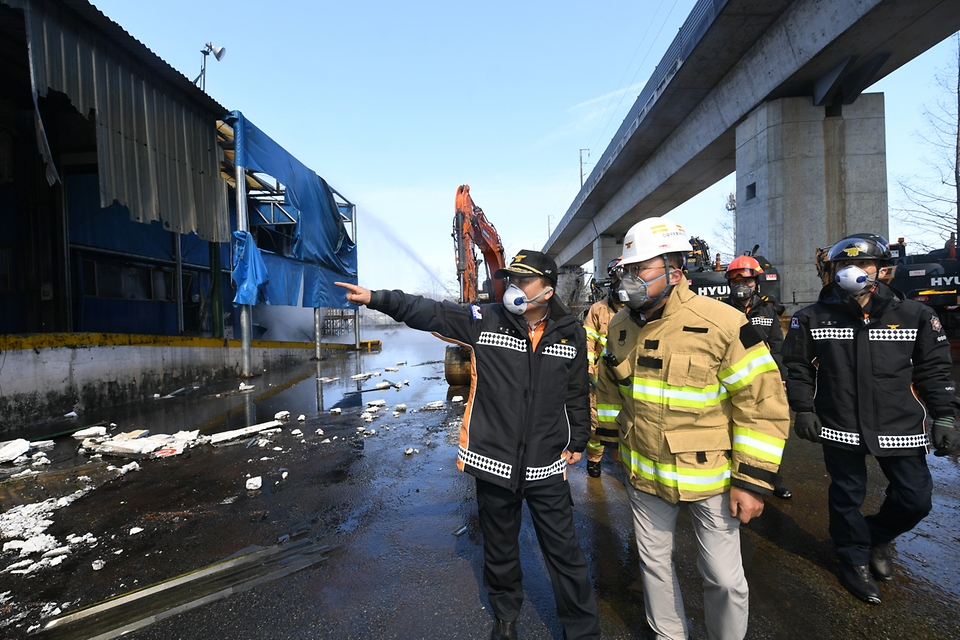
(702,417)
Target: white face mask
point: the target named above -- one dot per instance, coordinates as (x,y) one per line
(855,280)
(516,301)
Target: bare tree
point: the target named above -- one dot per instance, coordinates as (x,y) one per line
(930,199)
(725,230)
(437,285)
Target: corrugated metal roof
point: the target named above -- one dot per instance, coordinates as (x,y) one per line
(156,132)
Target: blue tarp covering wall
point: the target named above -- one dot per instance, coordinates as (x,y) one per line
(323,252)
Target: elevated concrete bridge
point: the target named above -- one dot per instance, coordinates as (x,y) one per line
(768,88)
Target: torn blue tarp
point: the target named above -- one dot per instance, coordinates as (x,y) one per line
(249,272)
(296,283)
(321,236)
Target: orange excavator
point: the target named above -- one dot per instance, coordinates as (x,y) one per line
(472,231)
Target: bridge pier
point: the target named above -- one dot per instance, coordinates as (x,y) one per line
(806,177)
(605,249)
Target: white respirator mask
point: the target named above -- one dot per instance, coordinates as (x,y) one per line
(517,302)
(855,280)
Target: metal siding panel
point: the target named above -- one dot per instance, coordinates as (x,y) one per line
(157,157)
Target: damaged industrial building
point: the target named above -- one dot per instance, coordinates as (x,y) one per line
(125,266)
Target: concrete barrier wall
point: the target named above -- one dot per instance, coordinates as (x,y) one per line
(46,376)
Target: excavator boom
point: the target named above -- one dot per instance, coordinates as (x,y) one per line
(472,229)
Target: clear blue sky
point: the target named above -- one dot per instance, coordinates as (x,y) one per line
(396,104)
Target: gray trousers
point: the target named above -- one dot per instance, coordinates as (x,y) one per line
(725,593)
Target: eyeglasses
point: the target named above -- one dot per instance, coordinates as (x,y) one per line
(636,269)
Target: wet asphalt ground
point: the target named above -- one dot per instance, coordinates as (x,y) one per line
(375,530)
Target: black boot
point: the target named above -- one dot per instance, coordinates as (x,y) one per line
(880,564)
(503,630)
(859,582)
(593,469)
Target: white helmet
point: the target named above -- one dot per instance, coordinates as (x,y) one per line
(653,237)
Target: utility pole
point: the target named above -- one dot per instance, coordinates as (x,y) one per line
(581,164)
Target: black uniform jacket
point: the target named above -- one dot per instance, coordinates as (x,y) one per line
(862,374)
(525,406)
(764,318)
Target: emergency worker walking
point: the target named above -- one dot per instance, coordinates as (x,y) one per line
(527,418)
(743,274)
(702,420)
(595,324)
(854,360)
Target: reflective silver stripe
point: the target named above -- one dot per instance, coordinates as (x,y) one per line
(898,335)
(562,350)
(484,463)
(903,442)
(539,473)
(831,334)
(762,321)
(846,437)
(491,339)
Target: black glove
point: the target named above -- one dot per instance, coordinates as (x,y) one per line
(945,436)
(807,426)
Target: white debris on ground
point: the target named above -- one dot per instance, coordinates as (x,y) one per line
(246,387)
(401,363)
(400,408)
(456,399)
(282,415)
(22,527)
(336,411)
(141,443)
(226,436)
(391,369)
(361,376)
(135,530)
(383,385)
(14,449)
(301,418)
(254,483)
(433,406)
(296,432)
(90,432)
(377,403)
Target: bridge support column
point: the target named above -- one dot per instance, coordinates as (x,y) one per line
(806,177)
(605,249)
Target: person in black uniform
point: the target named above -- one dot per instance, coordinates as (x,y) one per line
(854,360)
(527,418)
(742,274)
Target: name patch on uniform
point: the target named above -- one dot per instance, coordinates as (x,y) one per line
(653,345)
(696,329)
(794,322)
(647,361)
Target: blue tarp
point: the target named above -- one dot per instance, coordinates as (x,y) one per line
(323,250)
(249,272)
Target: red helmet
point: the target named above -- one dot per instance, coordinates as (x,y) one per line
(743,267)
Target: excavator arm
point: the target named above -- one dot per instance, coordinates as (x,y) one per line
(471,230)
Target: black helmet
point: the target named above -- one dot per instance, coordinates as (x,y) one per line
(861,246)
(612,271)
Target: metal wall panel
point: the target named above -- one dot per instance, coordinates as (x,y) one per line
(157,155)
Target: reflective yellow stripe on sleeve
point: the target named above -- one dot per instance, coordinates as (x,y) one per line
(749,367)
(591,357)
(608,412)
(683,478)
(759,445)
(592,333)
(662,393)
